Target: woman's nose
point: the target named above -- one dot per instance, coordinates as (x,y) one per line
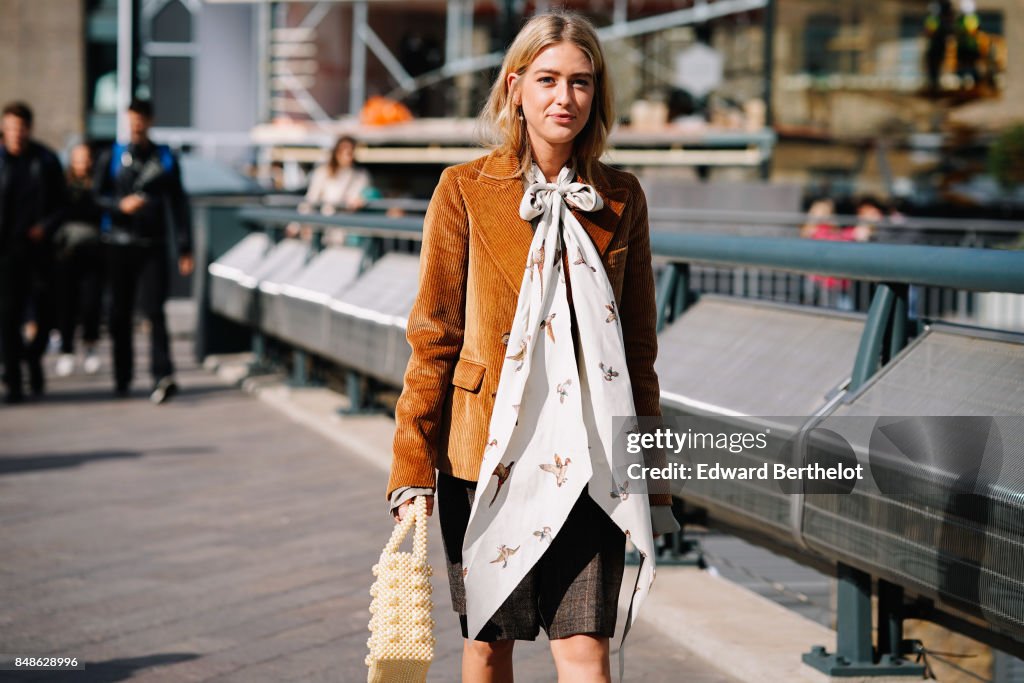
(563,93)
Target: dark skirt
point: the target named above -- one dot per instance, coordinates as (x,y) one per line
(572,589)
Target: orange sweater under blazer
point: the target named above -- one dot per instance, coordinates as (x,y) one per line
(473,256)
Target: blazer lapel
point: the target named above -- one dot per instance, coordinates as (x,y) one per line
(493,199)
(601,225)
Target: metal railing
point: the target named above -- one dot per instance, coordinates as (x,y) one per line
(891,271)
(818,282)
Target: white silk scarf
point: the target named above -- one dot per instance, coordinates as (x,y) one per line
(551,430)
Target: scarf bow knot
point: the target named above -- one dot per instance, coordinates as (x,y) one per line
(541,194)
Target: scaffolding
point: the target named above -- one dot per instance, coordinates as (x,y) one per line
(299,124)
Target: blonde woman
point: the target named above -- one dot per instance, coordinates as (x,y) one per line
(533,326)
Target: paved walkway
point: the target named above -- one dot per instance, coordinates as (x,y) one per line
(209,539)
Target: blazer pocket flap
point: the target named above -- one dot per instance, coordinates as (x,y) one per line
(468,374)
(617,257)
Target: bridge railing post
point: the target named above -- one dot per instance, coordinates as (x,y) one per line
(855,655)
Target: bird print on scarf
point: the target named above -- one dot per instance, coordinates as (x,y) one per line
(501,472)
(520,355)
(581,260)
(563,390)
(537,259)
(558,469)
(546,325)
(612,315)
(609,373)
(504,552)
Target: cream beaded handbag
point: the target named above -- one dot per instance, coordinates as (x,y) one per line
(401,629)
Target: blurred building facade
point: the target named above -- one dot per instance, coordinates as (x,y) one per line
(852,99)
(844,84)
(42,45)
(194,59)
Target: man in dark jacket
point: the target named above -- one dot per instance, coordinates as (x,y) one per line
(32,196)
(139,187)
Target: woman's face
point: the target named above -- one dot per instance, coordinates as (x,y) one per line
(555,92)
(346,155)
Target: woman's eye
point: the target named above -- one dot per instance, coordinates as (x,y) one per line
(546,79)
(582,82)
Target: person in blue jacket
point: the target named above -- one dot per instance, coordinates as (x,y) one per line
(146,215)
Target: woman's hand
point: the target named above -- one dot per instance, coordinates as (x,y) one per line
(400,512)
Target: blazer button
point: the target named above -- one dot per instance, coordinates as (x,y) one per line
(504,338)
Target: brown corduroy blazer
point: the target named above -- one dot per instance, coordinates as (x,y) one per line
(474,249)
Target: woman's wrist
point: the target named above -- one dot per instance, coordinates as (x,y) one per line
(404,494)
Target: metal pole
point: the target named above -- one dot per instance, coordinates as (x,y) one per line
(769,60)
(354,387)
(900,322)
(869,353)
(300,376)
(263,29)
(853,611)
(681,297)
(665,290)
(357,87)
(890,619)
(466,31)
(259,351)
(453,26)
(125,63)
(620,13)
(769,66)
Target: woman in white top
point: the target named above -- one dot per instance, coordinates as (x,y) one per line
(338,184)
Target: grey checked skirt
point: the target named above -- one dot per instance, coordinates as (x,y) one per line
(572,589)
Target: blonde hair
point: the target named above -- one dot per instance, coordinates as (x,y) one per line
(500,117)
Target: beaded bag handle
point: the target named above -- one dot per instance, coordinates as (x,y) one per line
(418,516)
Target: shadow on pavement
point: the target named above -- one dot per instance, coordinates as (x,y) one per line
(17,464)
(58,394)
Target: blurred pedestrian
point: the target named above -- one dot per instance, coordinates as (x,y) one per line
(939,25)
(821,225)
(968,44)
(338,185)
(32,197)
(79,268)
(820,216)
(139,187)
(870,212)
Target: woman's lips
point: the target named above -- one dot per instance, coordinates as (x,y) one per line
(562,118)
